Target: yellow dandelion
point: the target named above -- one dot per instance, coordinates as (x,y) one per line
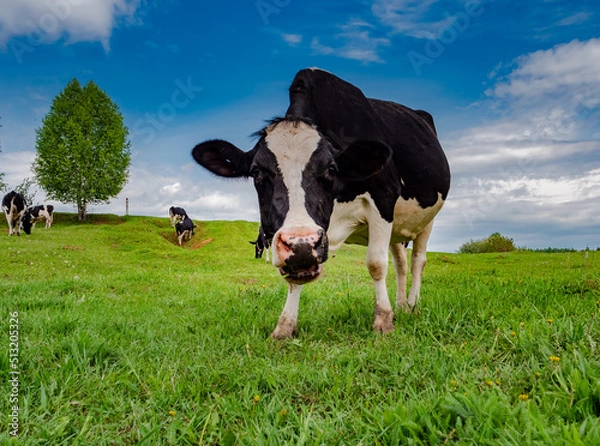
(523,397)
(172,413)
(256,398)
(538,374)
(283,412)
(489,382)
(549,321)
(554,358)
(453,382)
(513,334)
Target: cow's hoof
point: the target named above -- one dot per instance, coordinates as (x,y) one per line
(285,329)
(384,322)
(410,309)
(280,334)
(406,308)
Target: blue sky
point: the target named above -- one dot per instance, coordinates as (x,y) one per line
(514,88)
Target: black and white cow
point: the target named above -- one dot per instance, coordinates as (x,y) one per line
(261,245)
(340,167)
(184,229)
(34,214)
(176,214)
(13,205)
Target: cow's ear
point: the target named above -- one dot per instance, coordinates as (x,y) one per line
(362,159)
(222,158)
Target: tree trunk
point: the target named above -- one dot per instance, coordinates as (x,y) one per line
(81,211)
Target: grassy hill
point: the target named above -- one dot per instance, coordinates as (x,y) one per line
(126,338)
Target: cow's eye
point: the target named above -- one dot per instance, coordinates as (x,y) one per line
(255,172)
(332,170)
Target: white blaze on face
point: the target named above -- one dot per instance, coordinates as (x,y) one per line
(293,144)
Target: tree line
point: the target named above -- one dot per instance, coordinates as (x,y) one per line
(499,243)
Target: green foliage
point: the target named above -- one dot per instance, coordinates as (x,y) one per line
(25,190)
(125,338)
(494,243)
(83,154)
(553,250)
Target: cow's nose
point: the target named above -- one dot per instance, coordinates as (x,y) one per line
(301,248)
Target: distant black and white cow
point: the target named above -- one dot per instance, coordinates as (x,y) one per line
(261,245)
(340,167)
(34,214)
(184,229)
(13,205)
(176,214)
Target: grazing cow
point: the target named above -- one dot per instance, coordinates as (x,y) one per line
(340,167)
(176,215)
(261,245)
(184,229)
(13,205)
(37,213)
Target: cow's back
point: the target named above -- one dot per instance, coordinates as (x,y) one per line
(344,115)
(418,157)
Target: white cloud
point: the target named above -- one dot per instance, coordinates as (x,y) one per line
(171,189)
(576,18)
(410,17)
(357,43)
(16,166)
(152,190)
(292,39)
(38,22)
(570,71)
(532,173)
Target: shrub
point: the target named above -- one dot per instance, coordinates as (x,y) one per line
(494,243)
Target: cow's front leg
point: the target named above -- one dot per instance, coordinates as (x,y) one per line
(377,263)
(286,326)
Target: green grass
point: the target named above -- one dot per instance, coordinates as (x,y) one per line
(126,338)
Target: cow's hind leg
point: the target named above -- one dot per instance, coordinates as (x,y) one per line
(401,265)
(9,224)
(377,263)
(288,320)
(418,261)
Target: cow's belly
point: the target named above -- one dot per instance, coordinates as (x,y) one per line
(410,218)
(350,221)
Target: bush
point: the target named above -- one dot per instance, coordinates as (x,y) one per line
(494,243)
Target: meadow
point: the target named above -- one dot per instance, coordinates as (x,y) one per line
(125,338)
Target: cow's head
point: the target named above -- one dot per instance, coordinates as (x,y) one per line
(297,174)
(259,248)
(26,222)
